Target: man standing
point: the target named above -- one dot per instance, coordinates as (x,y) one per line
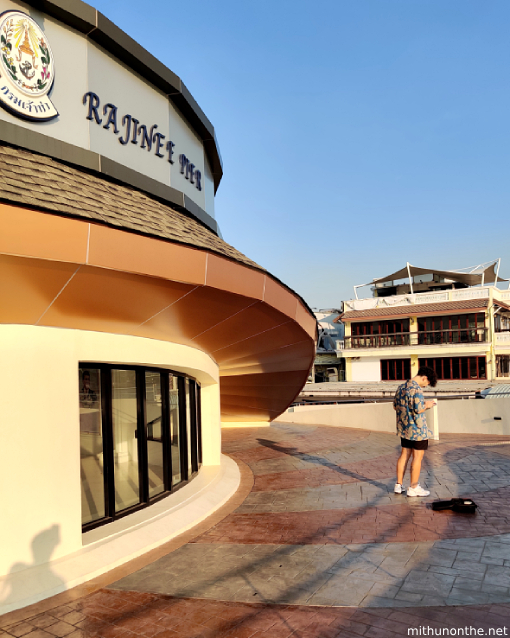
(412,428)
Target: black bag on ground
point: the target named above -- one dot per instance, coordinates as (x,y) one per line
(459,505)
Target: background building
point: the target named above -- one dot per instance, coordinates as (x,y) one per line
(329,364)
(457,322)
(129,330)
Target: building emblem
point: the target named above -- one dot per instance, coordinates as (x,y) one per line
(27,68)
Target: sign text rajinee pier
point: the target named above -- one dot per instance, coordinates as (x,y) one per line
(136,133)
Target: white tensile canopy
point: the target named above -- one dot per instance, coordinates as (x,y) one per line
(487,273)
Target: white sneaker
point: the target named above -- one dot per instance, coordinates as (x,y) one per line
(417,491)
(399,488)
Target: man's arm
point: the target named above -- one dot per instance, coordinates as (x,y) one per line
(420,405)
(427,406)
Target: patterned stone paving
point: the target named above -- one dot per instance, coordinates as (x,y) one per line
(321,548)
(116,614)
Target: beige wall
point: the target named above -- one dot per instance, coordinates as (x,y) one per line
(474,416)
(456,416)
(39,423)
(366,369)
(378,417)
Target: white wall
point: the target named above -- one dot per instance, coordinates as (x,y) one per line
(456,416)
(379,417)
(366,369)
(39,425)
(474,416)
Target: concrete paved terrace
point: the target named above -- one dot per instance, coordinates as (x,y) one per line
(315,545)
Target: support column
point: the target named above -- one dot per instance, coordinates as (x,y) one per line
(348,369)
(413,340)
(489,322)
(211,432)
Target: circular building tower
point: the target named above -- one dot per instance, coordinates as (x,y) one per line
(129,330)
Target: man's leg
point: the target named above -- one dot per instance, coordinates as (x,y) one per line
(416,466)
(402,464)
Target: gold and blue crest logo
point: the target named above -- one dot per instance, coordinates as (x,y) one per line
(27,68)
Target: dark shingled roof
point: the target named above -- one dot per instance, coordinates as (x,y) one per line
(40,182)
(415,310)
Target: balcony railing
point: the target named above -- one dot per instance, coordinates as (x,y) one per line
(432,337)
(379,341)
(463,335)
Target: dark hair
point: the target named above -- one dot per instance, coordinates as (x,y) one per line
(431,375)
(85,373)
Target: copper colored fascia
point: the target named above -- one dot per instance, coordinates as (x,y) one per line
(61,272)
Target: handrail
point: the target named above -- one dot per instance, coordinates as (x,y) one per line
(452,335)
(379,340)
(428,337)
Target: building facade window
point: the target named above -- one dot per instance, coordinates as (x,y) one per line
(503,365)
(140,438)
(467,328)
(377,334)
(457,367)
(501,321)
(395,369)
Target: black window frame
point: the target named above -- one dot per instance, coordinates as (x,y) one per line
(458,368)
(141,435)
(398,368)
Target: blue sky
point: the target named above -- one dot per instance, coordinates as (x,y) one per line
(355,135)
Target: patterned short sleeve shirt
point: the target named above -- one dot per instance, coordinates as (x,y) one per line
(408,401)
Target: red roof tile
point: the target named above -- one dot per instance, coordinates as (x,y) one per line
(388,312)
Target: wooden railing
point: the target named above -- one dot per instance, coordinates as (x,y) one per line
(428,338)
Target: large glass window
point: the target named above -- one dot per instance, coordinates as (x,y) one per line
(457,367)
(174,430)
(502,365)
(468,328)
(188,426)
(379,334)
(139,437)
(125,439)
(395,369)
(91,446)
(154,416)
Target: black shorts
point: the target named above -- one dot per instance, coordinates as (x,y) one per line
(414,445)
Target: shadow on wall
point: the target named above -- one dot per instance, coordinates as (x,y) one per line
(13,587)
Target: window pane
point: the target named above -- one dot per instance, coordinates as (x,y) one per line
(193,424)
(199,422)
(174,431)
(154,414)
(91,446)
(481,367)
(125,442)
(188,425)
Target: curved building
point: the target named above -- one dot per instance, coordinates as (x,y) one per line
(129,330)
